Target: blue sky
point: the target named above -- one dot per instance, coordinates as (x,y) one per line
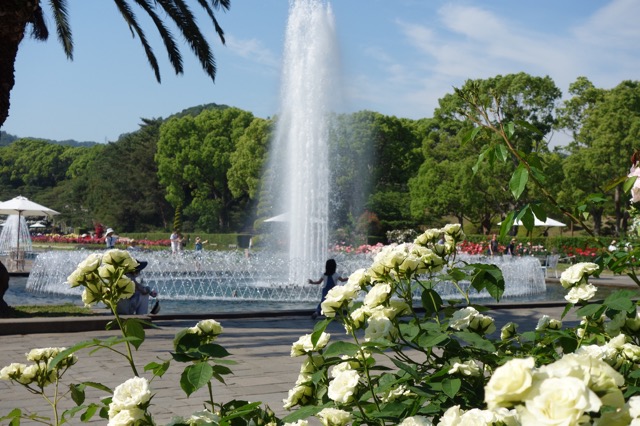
(398,58)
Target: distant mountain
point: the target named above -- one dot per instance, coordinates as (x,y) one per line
(8,139)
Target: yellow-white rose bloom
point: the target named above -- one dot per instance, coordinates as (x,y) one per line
(581,292)
(378,327)
(342,388)
(126,417)
(468,368)
(416,421)
(379,294)
(210,327)
(509,383)
(573,274)
(304,344)
(334,417)
(132,393)
(558,401)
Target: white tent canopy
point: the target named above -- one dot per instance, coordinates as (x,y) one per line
(21,206)
(538,222)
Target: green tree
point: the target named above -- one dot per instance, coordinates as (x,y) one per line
(607,132)
(479,190)
(16,16)
(194,157)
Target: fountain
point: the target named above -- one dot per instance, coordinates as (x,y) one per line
(225,276)
(15,243)
(309,93)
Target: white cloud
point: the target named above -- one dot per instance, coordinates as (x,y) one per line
(253,50)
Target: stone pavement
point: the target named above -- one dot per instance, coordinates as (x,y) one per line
(260,345)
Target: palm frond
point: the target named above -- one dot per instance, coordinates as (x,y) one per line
(216,4)
(61,17)
(175,57)
(180,13)
(130,18)
(39,29)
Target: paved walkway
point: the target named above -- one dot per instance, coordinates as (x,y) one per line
(261,346)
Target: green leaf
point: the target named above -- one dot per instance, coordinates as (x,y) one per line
(530,127)
(628,184)
(88,414)
(339,348)
(470,135)
(302,413)
(506,225)
(432,339)
(518,181)
(318,329)
(132,328)
(620,301)
(195,376)
(451,387)
(77,393)
(431,301)
(502,153)
(475,340)
(590,310)
(158,369)
(509,129)
(213,350)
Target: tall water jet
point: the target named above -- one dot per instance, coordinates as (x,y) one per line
(309,95)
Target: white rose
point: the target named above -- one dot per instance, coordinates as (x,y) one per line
(416,421)
(333,417)
(304,344)
(469,368)
(378,326)
(359,278)
(631,352)
(428,236)
(336,298)
(30,374)
(358,316)
(395,393)
(558,401)
(343,387)
(203,418)
(482,324)
(454,230)
(462,318)
(126,417)
(573,274)
(584,291)
(298,423)
(132,393)
(12,371)
(120,258)
(210,327)
(595,373)
(508,330)
(300,393)
(90,264)
(509,383)
(634,406)
(377,295)
(547,322)
(451,417)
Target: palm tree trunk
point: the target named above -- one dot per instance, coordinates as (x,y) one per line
(14,16)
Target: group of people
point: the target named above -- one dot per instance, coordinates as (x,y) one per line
(494,248)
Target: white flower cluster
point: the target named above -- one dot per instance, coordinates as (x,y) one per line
(40,372)
(455,416)
(548,323)
(470,318)
(199,418)
(565,392)
(129,403)
(575,279)
(103,277)
(206,330)
(617,352)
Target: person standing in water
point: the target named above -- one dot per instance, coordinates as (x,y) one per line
(330,279)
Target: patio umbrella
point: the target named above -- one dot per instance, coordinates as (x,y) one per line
(38,225)
(538,222)
(23,207)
